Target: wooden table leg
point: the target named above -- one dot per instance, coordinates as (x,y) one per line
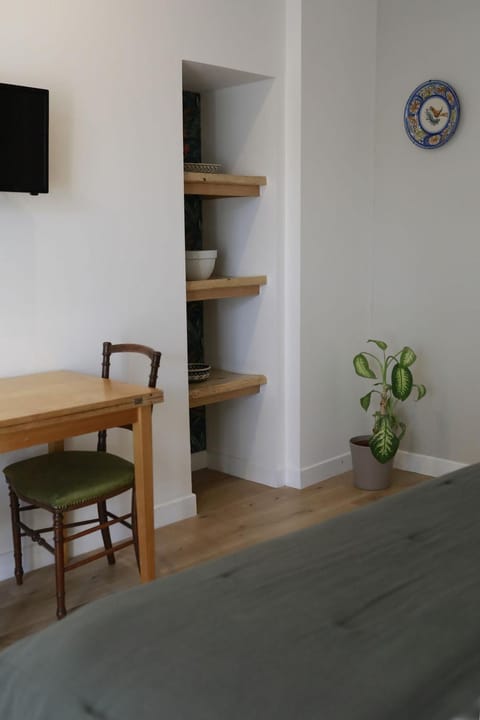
(142,442)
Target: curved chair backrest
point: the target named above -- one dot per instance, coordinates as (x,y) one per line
(108,350)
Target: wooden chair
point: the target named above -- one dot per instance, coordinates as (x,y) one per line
(63,481)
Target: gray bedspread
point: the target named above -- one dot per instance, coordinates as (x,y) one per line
(372,616)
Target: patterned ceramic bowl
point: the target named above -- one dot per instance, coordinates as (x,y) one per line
(198,372)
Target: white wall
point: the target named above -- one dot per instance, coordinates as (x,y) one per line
(102,255)
(388,231)
(426,253)
(337,135)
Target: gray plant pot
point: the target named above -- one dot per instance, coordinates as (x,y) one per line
(368,473)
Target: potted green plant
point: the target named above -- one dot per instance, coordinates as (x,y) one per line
(372,455)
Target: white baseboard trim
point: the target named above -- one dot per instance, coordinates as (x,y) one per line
(292,477)
(33,557)
(6,566)
(413,462)
(175,510)
(199,460)
(322,471)
(244,468)
(425,464)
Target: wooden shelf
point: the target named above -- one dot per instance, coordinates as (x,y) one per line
(223,385)
(224,287)
(219,185)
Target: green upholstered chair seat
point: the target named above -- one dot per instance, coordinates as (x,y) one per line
(65,479)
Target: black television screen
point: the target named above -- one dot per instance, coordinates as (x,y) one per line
(23,139)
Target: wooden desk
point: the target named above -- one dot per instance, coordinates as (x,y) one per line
(48,407)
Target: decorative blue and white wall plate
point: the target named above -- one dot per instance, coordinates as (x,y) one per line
(431,114)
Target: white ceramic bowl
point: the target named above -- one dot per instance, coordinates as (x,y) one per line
(200,264)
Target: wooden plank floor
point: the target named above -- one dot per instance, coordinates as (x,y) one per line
(232,514)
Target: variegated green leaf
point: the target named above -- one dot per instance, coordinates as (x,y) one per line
(422,391)
(384,442)
(402,382)
(393,421)
(376,420)
(362,368)
(407,357)
(365,400)
(379,343)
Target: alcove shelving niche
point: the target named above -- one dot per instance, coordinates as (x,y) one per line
(223,385)
(224,123)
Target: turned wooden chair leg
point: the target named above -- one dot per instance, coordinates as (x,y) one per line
(107,540)
(59,563)
(17,539)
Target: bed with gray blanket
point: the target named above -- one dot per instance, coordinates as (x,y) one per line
(374,615)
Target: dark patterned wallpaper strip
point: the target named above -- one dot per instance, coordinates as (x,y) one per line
(192,152)
(192,139)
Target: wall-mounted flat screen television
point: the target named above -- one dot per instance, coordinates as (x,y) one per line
(23,139)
